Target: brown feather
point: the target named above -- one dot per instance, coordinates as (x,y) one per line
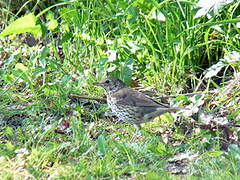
(130,97)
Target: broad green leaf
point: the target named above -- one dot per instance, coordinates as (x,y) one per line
(102,145)
(22,25)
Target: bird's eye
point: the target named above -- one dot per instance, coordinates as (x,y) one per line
(107,81)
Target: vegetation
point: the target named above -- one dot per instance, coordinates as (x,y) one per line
(49,51)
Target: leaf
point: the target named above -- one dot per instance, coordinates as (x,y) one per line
(234,151)
(52,22)
(232,57)
(214,69)
(112,55)
(69,15)
(214,153)
(23,75)
(160,149)
(167,118)
(132,15)
(9,131)
(101,142)
(65,80)
(126,71)
(38,71)
(158,15)
(50,92)
(234,114)
(153,176)
(201,12)
(133,48)
(24,24)
(210,7)
(21,67)
(181,98)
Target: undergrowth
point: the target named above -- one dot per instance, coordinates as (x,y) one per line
(49,51)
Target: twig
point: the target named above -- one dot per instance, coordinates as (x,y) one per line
(186,94)
(87,97)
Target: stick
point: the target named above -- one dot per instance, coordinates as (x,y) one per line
(87,97)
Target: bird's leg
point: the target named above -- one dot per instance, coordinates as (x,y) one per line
(138,127)
(137,132)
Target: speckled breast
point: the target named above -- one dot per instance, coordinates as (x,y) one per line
(123,112)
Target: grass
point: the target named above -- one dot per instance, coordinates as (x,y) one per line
(85,41)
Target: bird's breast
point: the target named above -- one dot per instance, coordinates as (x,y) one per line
(121,111)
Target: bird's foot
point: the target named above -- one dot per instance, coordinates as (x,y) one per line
(137,133)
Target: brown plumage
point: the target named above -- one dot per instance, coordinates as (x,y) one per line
(130,105)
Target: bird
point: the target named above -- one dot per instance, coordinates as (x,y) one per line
(129,105)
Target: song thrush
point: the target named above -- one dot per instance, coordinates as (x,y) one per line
(130,105)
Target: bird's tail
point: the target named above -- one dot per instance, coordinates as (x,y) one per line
(160,111)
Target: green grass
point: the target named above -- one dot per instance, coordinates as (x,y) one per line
(78,46)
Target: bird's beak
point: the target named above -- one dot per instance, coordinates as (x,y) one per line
(98,83)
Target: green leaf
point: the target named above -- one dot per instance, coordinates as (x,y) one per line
(38,71)
(234,114)
(49,91)
(24,75)
(234,150)
(69,15)
(213,153)
(152,176)
(159,149)
(52,25)
(9,131)
(21,67)
(65,80)
(52,22)
(181,97)
(126,72)
(22,25)
(167,118)
(101,142)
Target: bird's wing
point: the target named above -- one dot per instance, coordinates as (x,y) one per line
(128,96)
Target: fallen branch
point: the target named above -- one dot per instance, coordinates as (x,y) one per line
(75,96)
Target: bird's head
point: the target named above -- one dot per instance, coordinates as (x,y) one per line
(111,84)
